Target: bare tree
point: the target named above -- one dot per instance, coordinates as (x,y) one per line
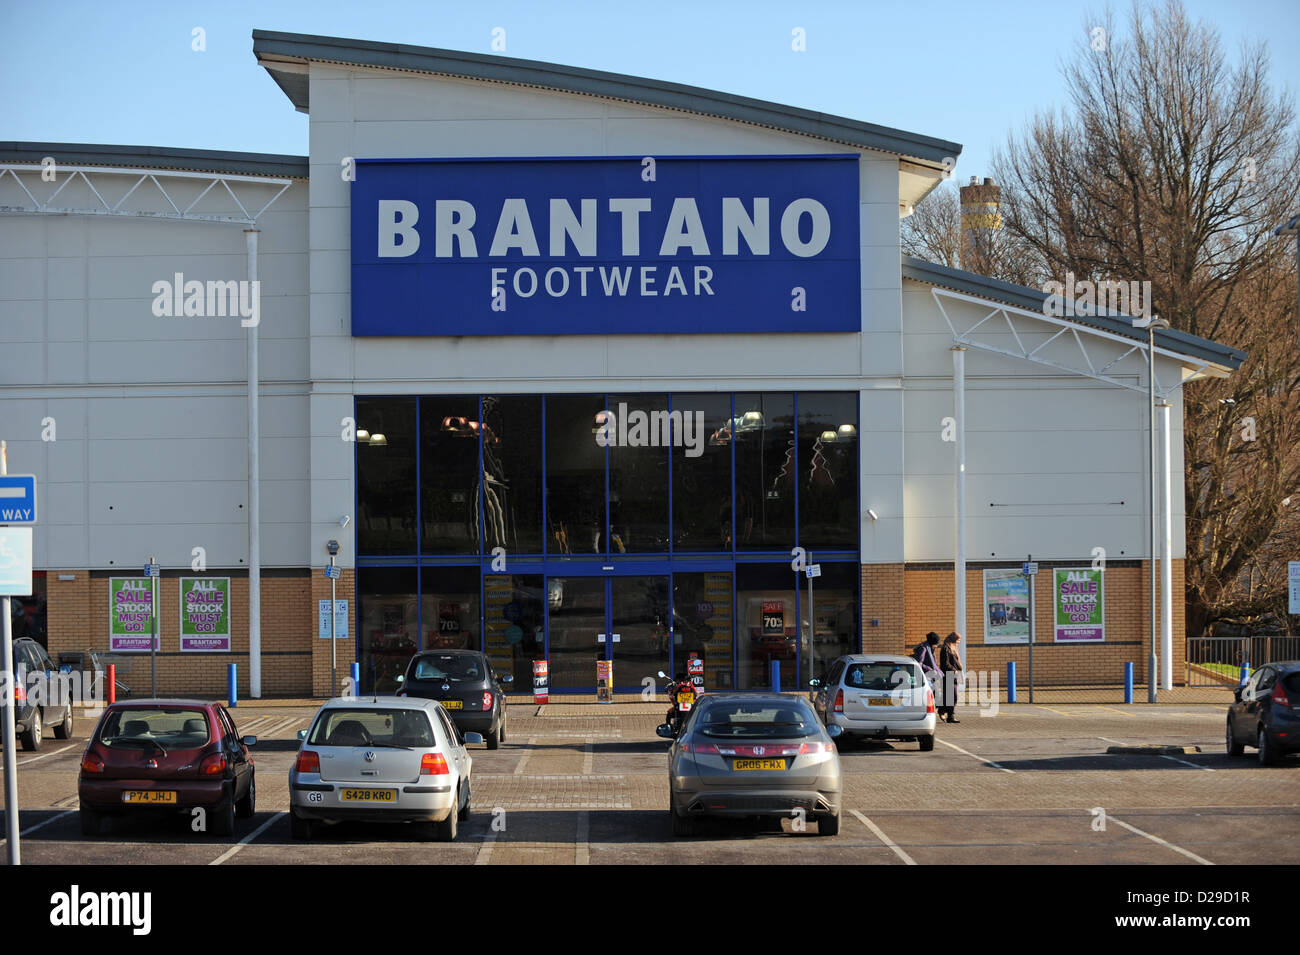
(1173,167)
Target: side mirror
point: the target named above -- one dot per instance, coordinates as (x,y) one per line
(473,738)
(663,675)
(664,731)
(835,732)
(401,678)
(1236,692)
(507,679)
(302,735)
(814,683)
(252,740)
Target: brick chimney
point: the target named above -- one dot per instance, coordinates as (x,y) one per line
(980,220)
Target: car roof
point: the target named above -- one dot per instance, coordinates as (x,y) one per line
(368,702)
(161,702)
(877,658)
(783,698)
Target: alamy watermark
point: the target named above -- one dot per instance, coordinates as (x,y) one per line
(651,429)
(212,299)
(1072,298)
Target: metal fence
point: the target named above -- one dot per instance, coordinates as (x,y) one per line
(1217,661)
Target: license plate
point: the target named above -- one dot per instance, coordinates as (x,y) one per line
(369,795)
(452,704)
(882,701)
(759,764)
(153,797)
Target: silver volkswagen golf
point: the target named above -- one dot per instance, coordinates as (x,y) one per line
(754,755)
(381,759)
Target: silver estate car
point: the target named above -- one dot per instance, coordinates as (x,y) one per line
(381,759)
(877,696)
(757,755)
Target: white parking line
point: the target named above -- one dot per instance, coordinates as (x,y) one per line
(247,839)
(582,855)
(485,853)
(34,759)
(973,756)
(523,760)
(1186,763)
(67,812)
(908,860)
(1191,855)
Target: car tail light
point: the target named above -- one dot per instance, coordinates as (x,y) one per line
(91,763)
(1279,695)
(20,692)
(308,762)
(807,749)
(700,749)
(839,701)
(213,765)
(929,700)
(433,764)
(487,699)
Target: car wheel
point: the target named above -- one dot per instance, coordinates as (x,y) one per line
(299,827)
(1266,755)
(64,729)
(464,810)
(92,821)
(1234,748)
(926,742)
(828,825)
(32,738)
(446,830)
(248,805)
(494,738)
(682,825)
(222,822)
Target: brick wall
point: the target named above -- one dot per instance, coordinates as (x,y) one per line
(78,619)
(882,585)
(928,605)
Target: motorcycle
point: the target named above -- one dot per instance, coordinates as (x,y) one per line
(682,694)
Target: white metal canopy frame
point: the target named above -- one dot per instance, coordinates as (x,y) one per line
(177,188)
(1083,350)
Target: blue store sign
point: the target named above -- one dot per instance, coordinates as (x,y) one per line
(606,246)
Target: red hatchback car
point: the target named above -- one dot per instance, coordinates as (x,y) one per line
(168,756)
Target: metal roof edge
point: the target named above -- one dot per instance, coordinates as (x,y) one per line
(1193,346)
(158,157)
(479,66)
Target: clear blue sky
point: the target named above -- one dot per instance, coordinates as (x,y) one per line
(95,72)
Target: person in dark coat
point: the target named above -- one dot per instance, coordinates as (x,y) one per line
(926,654)
(951,665)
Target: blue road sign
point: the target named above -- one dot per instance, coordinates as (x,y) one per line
(333,573)
(18,499)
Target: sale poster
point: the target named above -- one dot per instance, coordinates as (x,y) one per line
(205,614)
(130,613)
(1079,605)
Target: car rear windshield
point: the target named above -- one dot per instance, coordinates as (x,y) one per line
(372,727)
(166,727)
(451,667)
(1292,682)
(882,676)
(759,720)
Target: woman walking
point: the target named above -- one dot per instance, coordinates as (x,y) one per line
(951,665)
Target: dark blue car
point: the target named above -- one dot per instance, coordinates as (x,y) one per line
(1266,713)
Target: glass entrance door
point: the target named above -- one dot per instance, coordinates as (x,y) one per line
(623,619)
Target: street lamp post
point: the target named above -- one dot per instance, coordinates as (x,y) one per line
(1151,325)
(332,547)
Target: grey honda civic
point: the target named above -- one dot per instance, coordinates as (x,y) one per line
(757,755)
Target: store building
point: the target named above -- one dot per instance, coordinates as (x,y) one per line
(573,365)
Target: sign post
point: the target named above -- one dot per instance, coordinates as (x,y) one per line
(153,571)
(1293,586)
(812,570)
(16,551)
(1030,570)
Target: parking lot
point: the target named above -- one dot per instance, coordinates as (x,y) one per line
(582,783)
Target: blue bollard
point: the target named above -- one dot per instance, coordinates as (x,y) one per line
(232,691)
(776,676)
(1245,673)
(356,679)
(1011,681)
(1128,682)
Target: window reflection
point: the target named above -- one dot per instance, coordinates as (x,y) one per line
(702,476)
(575,479)
(449,449)
(763,432)
(641,432)
(769,626)
(389,624)
(512,480)
(702,625)
(449,601)
(514,624)
(386,479)
(828,470)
